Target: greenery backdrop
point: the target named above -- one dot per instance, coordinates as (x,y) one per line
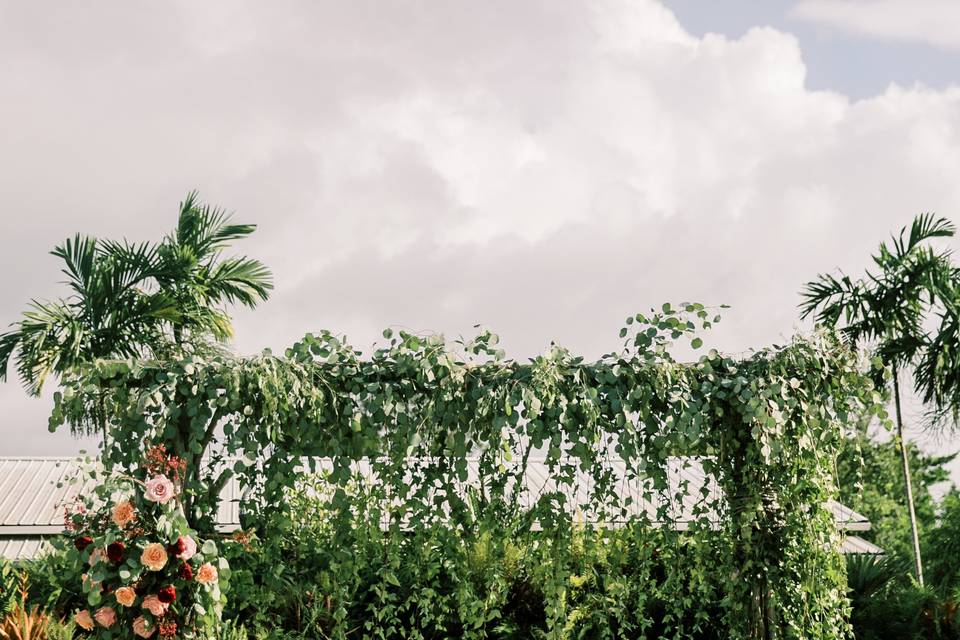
(759,560)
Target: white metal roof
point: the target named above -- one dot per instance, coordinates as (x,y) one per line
(31,503)
(855,544)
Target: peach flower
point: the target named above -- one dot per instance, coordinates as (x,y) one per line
(152,604)
(83,620)
(154,557)
(207,573)
(159,489)
(125,596)
(141,628)
(105,616)
(123,514)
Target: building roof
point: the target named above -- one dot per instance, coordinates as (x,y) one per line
(34,490)
(857,545)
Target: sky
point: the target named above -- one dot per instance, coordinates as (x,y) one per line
(542,168)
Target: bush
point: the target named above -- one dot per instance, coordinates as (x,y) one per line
(304,579)
(887,603)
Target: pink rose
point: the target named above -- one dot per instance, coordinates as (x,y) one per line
(152,604)
(207,573)
(142,628)
(83,620)
(189,547)
(159,489)
(105,616)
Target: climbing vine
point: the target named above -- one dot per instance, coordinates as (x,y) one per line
(431,440)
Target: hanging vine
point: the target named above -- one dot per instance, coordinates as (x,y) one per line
(448,431)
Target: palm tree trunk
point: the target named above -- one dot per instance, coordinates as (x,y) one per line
(918,563)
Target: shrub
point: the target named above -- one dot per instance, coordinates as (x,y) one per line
(488,580)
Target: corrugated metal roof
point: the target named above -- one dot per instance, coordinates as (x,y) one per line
(854,544)
(31,503)
(21,548)
(847,518)
(35,490)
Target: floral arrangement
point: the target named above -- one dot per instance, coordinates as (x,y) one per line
(145,573)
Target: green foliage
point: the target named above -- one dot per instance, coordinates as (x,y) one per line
(891,311)
(61,630)
(906,611)
(631,582)
(131,300)
(8,587)
(943,545)
(870,478)
(49,575)
(448,430)
(890,308)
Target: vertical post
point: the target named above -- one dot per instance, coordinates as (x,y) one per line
(917,562)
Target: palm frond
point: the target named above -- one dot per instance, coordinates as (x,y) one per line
(206,229)
(79,255)
(833,296)
(924,227)
(240,279)
(47,340)
(129,265)
(8,345)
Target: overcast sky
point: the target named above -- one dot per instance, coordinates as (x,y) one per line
(544,168)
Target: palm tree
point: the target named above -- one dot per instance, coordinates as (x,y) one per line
(199,280)
(137,300)
(888,310)
(109,313)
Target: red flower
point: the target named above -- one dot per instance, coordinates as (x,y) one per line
(186,572)
(177,548)
(115,552)
(82,542)
(168,628)
(167,595)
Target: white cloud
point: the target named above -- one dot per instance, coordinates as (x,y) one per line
(934,22)
(542,168)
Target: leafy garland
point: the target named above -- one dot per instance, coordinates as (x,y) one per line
(419,412)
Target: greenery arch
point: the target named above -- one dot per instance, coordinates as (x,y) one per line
(766,427)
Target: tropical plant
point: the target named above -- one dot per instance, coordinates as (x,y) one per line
(870,479)
(8,587)
(23,622)
(136,300)
(193,273)
(61,630)
(868,573)
(888,310)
